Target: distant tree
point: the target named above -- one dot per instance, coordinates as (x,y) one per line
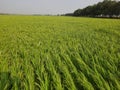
(116,7)
(77,12)
(69,14)
(105,8)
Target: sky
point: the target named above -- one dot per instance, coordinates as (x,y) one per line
(43,6)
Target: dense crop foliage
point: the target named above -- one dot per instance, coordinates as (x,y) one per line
(59,53)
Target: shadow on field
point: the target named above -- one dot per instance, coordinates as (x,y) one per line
(6,81)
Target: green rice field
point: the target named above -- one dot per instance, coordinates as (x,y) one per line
(59,53)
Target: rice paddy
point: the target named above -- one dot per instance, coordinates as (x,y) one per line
(59,53)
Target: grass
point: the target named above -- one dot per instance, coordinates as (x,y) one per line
(59,53)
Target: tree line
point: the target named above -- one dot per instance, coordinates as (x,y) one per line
(107,8)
